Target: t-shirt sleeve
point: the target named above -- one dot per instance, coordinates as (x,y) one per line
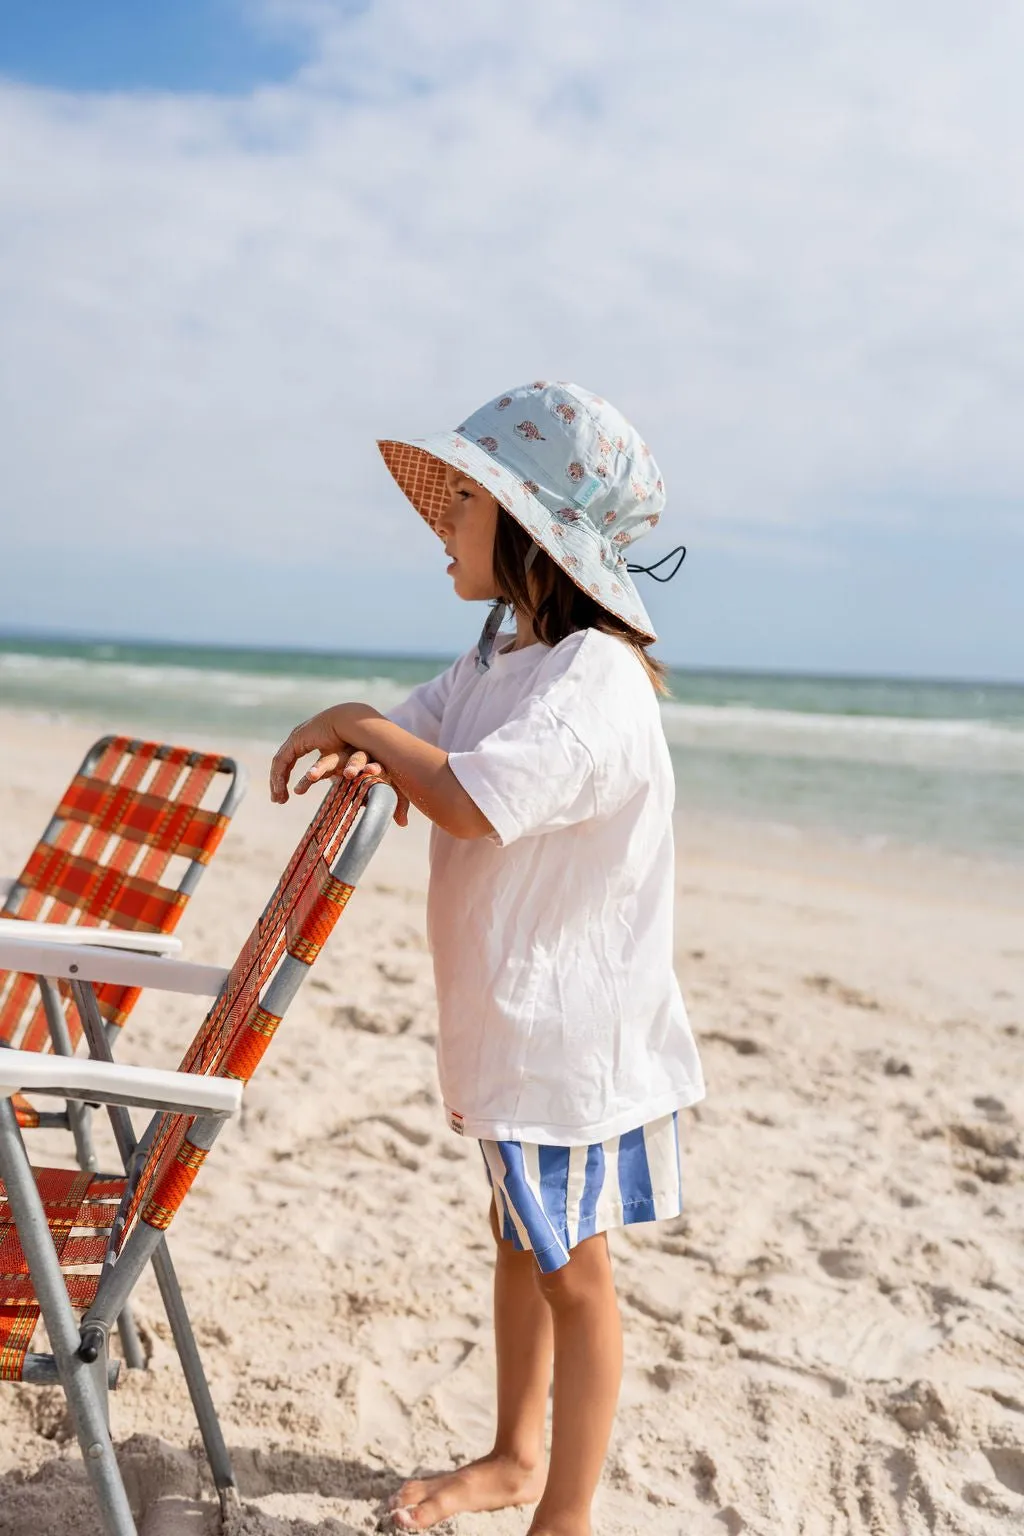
(532,775)
(422,711)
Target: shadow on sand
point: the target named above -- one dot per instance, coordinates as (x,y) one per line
(171,1494)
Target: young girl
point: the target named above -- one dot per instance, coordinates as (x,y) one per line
(563,1041)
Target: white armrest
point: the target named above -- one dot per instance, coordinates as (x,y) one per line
(79,962)
(7,883)
(109,938)
(108,1082)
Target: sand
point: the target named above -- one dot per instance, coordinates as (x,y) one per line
(831,1340)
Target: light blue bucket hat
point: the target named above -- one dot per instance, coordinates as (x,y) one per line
(568,467)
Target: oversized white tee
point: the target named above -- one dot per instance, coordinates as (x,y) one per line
(560,1017)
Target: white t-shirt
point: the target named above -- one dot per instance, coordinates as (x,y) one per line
(561,1020)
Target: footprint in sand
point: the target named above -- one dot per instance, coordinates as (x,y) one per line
(743,1045)
(851,996)
(399,973)
(371,1023)
(763,1366)
(1007,1462)
(918,1406)
(419,1138)
(704,1472)
(843,1263)
(992,1107)
(986,1149)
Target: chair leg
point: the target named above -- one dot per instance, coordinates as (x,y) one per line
(80,1121)
(99,1042)
(131,1344)
(79,1115)
(195,1377)
(81,1382)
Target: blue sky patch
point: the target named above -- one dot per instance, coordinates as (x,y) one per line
(136,45)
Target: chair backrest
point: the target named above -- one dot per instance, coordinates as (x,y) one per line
(273,961)
(105,860)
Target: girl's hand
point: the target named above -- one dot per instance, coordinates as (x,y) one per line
(344,764)
(337,758)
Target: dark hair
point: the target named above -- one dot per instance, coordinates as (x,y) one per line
(553,602)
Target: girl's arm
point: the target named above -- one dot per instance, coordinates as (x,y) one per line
(418,770)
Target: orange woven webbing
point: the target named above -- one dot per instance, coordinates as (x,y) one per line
(106,865)
(25,1113)
(80,1212)
(246,1052)
(316,913)
(237,1030)
(174,1184)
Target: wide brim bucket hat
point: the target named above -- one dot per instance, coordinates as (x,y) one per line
(567,466)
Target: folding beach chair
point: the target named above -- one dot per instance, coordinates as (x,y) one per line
(77,1242)
(122,854)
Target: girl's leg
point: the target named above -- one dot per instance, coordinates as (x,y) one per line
(588,1372)
(513,1472)
(524,1348)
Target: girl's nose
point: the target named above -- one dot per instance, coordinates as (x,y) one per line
(443,526)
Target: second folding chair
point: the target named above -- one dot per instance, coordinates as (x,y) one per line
(122,853)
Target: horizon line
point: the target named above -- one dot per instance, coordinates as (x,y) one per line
(58,637)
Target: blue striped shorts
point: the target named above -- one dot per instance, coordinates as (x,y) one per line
(548,1199)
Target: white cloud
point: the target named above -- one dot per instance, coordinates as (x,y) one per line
(784,237)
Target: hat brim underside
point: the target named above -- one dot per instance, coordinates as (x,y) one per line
(419,473)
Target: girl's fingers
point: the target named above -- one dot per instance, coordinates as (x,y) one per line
(326,764)
(401,817)
(280,768)
(356,763)
(330,764)
(298,743)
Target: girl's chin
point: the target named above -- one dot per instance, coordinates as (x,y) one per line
(469,591)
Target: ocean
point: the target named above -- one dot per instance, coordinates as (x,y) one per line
(921,763)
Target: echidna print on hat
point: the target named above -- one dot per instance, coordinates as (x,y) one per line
(567,466)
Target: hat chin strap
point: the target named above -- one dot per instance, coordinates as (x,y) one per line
(495,619)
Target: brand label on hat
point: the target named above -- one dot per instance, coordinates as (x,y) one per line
(587,489)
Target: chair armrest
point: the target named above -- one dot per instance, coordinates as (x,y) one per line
(7,883)
(80,962)
(109,938)
(108,1082)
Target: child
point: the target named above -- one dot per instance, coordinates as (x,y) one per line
(563,1041)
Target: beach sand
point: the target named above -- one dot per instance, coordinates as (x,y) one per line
(830,1341)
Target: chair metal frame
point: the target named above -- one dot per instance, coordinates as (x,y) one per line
(208,1090)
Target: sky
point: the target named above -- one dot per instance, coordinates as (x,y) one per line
(241,239)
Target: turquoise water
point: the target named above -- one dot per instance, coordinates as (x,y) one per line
(918,762)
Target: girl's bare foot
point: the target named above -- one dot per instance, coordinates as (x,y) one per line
(493,1482)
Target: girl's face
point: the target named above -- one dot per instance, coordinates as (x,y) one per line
(468,526)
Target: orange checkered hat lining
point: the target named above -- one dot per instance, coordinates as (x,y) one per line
(420,475)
